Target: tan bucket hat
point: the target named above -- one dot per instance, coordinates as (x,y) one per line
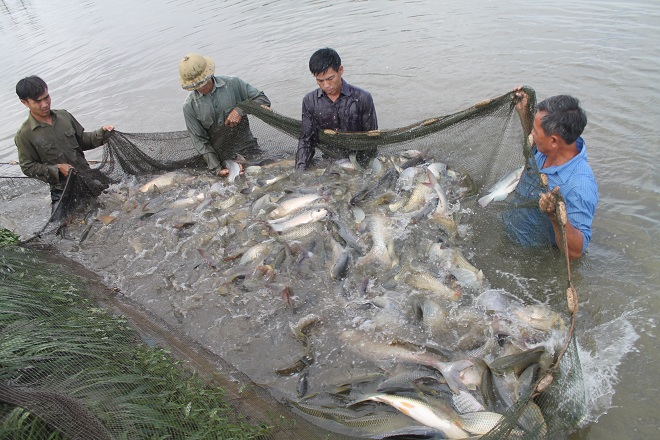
(195,70)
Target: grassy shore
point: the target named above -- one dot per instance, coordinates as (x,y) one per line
(69,368)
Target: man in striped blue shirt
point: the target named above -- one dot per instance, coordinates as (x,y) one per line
(560,153)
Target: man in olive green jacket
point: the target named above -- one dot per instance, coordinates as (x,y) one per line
(51,142)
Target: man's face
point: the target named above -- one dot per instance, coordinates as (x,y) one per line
(541,140)
(207,87)
(39,107)
(330,81)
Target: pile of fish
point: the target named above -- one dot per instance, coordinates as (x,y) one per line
(343,289)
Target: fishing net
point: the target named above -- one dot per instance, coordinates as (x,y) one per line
(479,146)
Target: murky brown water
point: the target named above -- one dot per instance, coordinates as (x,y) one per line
(116,63)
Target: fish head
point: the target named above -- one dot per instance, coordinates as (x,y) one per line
(319,213)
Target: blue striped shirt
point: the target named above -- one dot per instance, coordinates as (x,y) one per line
(578,187)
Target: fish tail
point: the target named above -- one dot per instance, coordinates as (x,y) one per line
(485,200)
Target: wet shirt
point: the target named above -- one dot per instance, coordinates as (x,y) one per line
(529,226)
(354,110)
(41,147)
(205,117)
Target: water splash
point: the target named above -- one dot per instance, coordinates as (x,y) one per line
(601,363)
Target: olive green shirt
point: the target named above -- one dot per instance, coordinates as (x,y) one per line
(41,147)
(205,117)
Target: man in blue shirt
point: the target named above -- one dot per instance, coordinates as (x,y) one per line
(560,154)
(335,105)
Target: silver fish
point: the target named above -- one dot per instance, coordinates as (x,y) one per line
(361,343)
(438,169)
(381,255)
(501,189)
(423,413)
(165,181)
(310,216)
(253,170)
(340,265)
(186,202)
(540,317)
(227,203)
(480,422)
(465,402)
(516,363)
(301,388)
(257,253)
(420,194)
(272,180)
(421,279)
(355,424)
(346,234)
(468,278)
(404,381)
(292,205)
(443,204)
(431,314)
(264,204)
(234,169)
(531,420)
(302,231)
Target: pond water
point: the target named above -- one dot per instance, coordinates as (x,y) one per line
(116,63)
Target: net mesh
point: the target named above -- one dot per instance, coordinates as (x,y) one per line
(482,144)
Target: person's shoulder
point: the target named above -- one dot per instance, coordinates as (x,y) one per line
(62,113)
(581,169)
(361,95)
(581,184)
(229,79)
(312,94)
(311,97)
(191,101)
(23,129)
(358,90)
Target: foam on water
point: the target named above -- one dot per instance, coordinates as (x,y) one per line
(602,350)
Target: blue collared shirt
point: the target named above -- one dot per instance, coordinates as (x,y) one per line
(530,227)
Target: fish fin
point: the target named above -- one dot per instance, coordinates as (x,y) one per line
(451,372)
(353,158)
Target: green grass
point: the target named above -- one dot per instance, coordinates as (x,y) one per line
(52,338)
(7,237)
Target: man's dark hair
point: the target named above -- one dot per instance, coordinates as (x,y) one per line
(324,59)
(565,118)
(31,87)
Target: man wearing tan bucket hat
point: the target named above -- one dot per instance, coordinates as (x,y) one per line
(216,126)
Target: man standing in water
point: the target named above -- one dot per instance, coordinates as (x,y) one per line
(50,143)
(560,154)
(216,126)
(335,105)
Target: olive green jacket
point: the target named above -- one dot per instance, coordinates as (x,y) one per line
(41,147)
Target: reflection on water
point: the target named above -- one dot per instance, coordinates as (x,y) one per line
(117,65)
